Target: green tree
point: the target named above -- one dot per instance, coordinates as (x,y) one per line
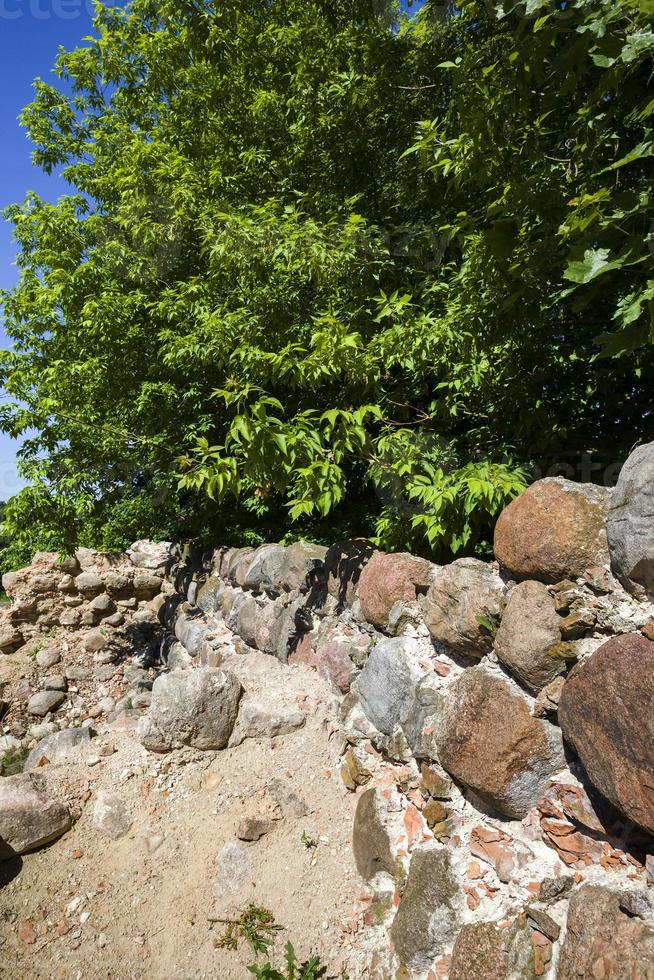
(342,270)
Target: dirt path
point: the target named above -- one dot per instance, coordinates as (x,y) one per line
(140,906)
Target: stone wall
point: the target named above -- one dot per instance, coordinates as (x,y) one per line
(496,724)
(495,717)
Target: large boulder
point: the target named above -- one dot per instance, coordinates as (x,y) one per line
(556,529)
(388,579)
(483,951)
(528,641)
(462,607)
(192,707)
(29,817)
(606,714)
(604,940)
(428,915)
(388,683)
(371,839)
(631,523)
(488,740)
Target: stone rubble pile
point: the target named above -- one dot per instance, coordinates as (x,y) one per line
(496,717)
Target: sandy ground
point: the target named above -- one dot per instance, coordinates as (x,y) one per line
(140,906)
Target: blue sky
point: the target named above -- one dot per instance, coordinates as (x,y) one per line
(31,32)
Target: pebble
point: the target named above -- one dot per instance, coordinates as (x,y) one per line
(26,932)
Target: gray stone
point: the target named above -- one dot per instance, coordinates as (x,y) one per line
(422,720)
(152,555)
(59,747)
(72,618)
(208,595)
(48,658)
(45,701)
(371,841)
(95,641)
(463,606)
(10,638)
(111,816)
(529,638)
(29,817)
(89,583)
(301,561)
(246,620)
(8,744)
(631,523)
(191,707)
(146,584)
(103,604)
(388,683)
(258,719)
(427,919)
(263,567)
(116,619)
(77,674)
(193,631)
(233,870)
(54,682)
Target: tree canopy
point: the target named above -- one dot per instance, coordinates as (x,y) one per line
(327,268)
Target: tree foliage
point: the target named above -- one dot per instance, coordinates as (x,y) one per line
(327,268)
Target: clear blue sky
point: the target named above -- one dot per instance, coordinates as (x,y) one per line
(31,32)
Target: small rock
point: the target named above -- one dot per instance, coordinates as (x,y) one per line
(26,933)
(483,951)
(233,870)
(89,583)
(111,816)
(552,889)
(543,922)
(95,641)
(10,638)
(55,682)
(44,702)
(48,658)
(102,604)
(260,719)
(253,828)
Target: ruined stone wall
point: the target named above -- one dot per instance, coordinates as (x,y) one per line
(496,728)
(496,725)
